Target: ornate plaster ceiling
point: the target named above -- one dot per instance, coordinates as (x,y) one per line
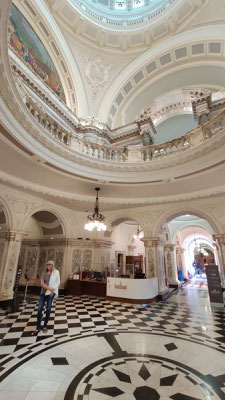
(119,188)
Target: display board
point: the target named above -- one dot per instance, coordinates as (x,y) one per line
(214,284)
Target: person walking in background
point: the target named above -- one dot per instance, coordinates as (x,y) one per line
(50,281)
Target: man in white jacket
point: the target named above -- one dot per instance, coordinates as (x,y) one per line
(50,281)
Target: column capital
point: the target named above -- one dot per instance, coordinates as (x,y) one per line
(220,237)
(169,247)
(180,250)
(153,241)
(13,236)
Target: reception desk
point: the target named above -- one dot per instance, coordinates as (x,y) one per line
(80,287)
(138,291)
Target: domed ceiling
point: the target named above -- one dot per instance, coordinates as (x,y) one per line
(125,14)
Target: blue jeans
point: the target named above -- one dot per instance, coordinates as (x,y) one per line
(43,299)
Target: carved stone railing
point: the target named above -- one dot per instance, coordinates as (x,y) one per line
(129,154)
(192,139)
(53,128)
(100,152)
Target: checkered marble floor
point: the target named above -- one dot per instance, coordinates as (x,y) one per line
(184,343)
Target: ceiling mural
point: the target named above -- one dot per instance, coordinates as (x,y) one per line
(27,45)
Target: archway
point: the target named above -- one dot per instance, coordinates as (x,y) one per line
(195,249)
(45,240)
(127,255)
(4,226)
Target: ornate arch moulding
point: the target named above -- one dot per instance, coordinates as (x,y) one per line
(136,94)
(7,212)
(172,212)
(71,75)
(45,207)
(175,68)
(183,40)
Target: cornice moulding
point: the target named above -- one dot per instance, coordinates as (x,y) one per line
(217,191)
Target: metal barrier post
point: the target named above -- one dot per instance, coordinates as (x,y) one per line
(25,295)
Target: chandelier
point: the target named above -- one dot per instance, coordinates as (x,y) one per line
(95,220)
(139,234)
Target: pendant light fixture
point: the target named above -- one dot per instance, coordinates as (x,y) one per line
(96,220)
(139,234)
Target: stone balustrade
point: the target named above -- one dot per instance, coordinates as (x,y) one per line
(101,152)
(129,154)
(215,125)
(49,124)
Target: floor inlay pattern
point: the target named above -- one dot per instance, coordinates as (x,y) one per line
(142,377)
(96,349)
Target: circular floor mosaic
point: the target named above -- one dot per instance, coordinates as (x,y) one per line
(139,378)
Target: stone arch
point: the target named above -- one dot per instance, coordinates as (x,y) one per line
(151,55)
(46,241)
(173,213)
(8,214)
(51,211)
(114,222)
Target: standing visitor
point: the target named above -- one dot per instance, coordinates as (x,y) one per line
(50,281)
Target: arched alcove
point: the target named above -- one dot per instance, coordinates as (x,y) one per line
(189,230)
(172,214)
(4,218)
(45,240)
(127,252)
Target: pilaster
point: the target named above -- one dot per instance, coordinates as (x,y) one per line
(171,265)
(10,251)
(220,240)
(181,261)
(154,253)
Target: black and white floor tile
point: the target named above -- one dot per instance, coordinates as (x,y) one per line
(96,349)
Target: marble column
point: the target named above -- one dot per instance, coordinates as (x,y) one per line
(171,265)
(154,253)
(10,244)
(220,240)
(181,261)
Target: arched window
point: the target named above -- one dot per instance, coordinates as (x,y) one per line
(138,3)
(120,4)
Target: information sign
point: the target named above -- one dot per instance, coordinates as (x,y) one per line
(214,284)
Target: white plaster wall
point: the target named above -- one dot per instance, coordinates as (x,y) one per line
(174,127)
(122,237)
(33,229)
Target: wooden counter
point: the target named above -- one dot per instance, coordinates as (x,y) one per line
(93,288)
